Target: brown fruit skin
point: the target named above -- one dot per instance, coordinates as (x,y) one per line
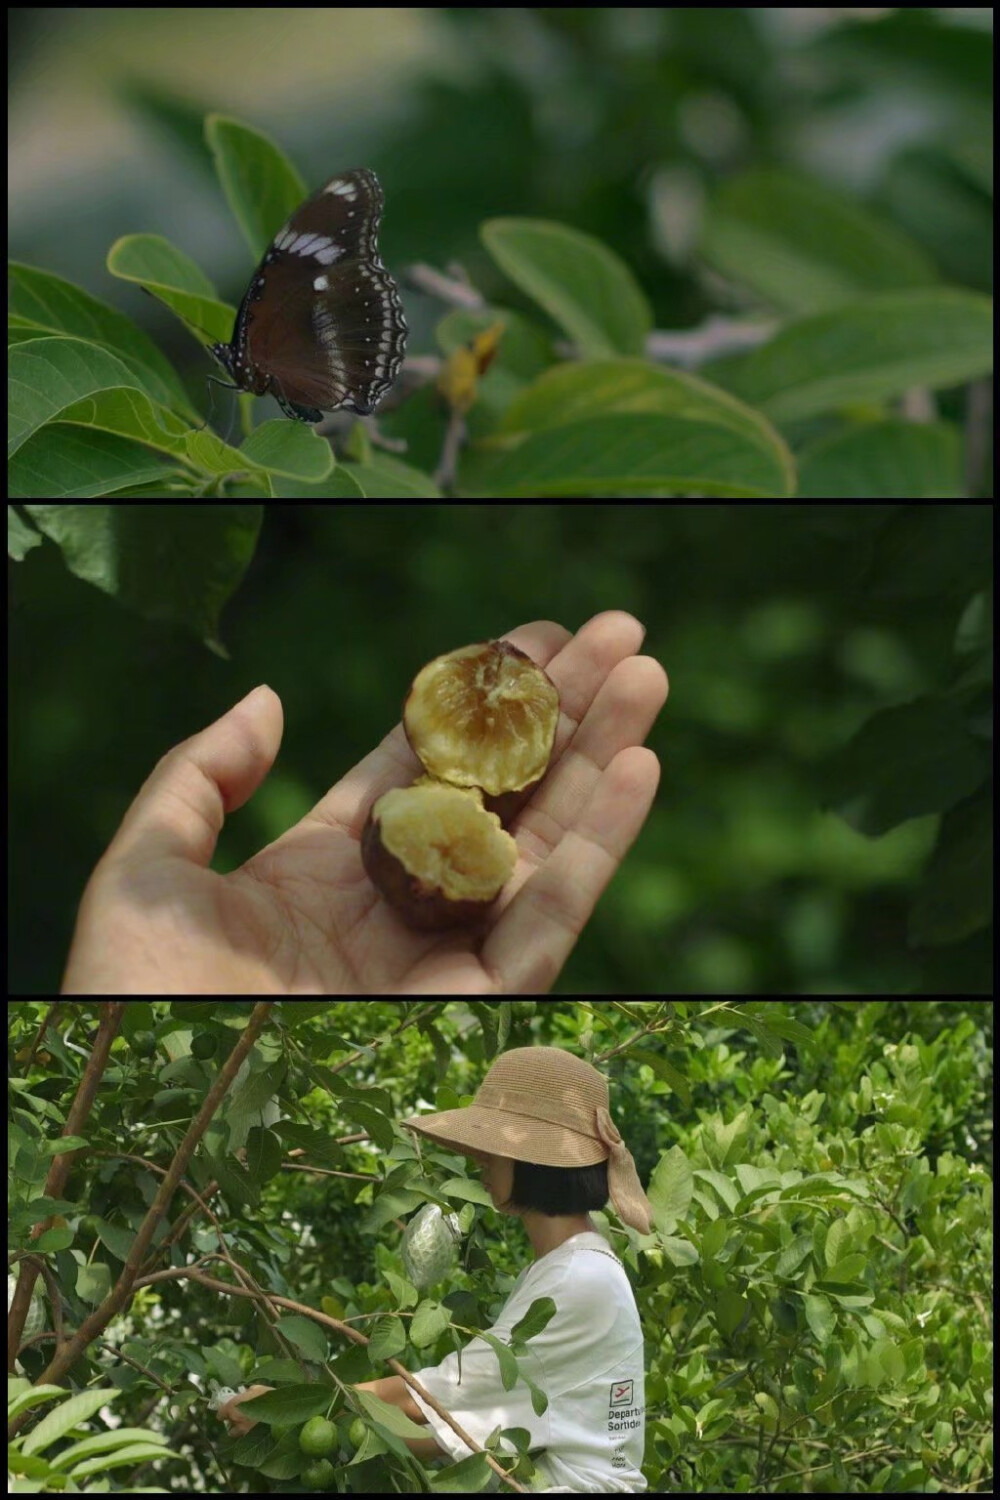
(506,805)
(424,908)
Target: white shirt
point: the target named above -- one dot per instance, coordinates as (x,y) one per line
(588,1361)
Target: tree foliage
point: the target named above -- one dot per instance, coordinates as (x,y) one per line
(815,1294)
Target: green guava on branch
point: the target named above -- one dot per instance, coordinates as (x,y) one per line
(318,1437)
(320,1475)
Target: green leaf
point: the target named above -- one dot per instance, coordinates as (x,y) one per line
(179,563)
(290,449)
(93,1283)
(866,351)
(41,303)
(428,1323)
(21,538)
(387,1339)
(466,1190)
(389,1416)
(384,477)
(252,1099)
(627,455)
(260,183)
(730,1310)
(316,1145)
(115,1237)
(539,1400)
(803,246)
(671,1189)
(933,552)
(905,762)
(770,1017)
(506,1358)
(67,1415)
(120,1458)
(535,1320)
(467,1477)
(289,1406)
(885,460)
(599,387)
(309,1338)
(71,380)
(234,1181)
(583,286)
(103,1442)
(378,1125)
(404,1295)
(264,1155)
(389,1206)
(173,278)
(23,1397)
(665,1072)
(956,899)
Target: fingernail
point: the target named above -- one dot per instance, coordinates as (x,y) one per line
(248,696)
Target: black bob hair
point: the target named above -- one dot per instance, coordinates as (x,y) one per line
(558,1190)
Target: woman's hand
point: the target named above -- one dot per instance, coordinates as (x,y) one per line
(301,917)
(239,1423)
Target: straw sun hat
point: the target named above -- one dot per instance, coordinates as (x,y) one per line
(543,1105)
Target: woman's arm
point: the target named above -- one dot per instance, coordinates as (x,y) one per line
(393,1388)
(239,1422)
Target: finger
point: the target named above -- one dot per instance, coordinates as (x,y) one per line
(181,806)
(232,1416)
(536,932)
(623,711)
(541,639)
(579,670)
(586,659)
(622,714)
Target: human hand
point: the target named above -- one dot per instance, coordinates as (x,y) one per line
(239,1422)
(301,916)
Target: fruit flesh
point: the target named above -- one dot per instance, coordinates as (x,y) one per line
(446,841)
(483,716)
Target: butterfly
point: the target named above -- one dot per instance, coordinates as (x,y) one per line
(321,325)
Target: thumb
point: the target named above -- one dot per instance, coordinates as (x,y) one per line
(181,807)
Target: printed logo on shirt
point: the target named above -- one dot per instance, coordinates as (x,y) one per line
(625,1417)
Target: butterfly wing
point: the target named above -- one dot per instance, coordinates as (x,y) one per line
(322,324)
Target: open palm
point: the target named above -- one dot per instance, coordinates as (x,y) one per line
(301,916)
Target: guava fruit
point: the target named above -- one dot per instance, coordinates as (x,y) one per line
(320,1475)
(318,1437)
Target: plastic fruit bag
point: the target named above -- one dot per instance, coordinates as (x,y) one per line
(430,1246)
(221,1394)
(35,1320)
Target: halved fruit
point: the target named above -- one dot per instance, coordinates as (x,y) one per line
(436,854)
(483,716)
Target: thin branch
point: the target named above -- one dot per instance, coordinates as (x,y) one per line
(191,1274)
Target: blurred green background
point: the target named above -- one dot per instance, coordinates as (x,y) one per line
(783,629)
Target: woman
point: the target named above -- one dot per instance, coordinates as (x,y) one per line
(541,1130)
